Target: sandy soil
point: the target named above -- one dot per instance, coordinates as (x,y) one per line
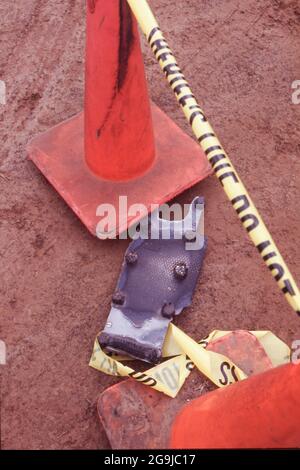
(241,57)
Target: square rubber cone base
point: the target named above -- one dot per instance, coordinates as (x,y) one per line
(59,154)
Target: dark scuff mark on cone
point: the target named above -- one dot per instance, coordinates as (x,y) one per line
(92,5)
(126,41)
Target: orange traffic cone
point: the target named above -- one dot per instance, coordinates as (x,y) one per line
(123,145)
(262,411)
(118,121)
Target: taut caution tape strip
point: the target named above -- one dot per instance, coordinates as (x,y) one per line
(185,354)
(216,155)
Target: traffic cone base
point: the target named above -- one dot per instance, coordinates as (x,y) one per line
(59,154)
(121,145)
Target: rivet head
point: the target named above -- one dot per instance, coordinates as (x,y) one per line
(180,270)
(131,257)
(168,310)
(118,298)
(190,236)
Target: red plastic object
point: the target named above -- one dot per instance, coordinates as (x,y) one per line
(118,119)
(123,146)
(260,412)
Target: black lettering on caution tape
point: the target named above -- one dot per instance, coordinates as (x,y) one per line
(255,221)
(205,136)
(195,114)
(279,269)
(288,288)
(164,55)
(263,245)
(177,78)
(183,99)
(245,203)
(199,112)
(230,174)
(269,256)
(159,44)
(143,378)
(211,149)
(220,167)
(177,89)
(216,158)
(170,70)
(152,32)
(224,369)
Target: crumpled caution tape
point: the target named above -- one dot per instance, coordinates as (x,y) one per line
(185,354)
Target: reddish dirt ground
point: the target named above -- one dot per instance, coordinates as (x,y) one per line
(241,57)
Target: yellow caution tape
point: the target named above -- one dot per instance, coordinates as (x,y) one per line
(184,354)
(216,155)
